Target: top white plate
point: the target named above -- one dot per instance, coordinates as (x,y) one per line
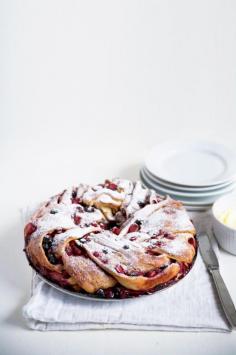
(192,163)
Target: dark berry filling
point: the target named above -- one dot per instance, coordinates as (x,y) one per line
(100,293)
(109,293)
(172,261)
(120,269)
(53,211)
(96,254)
(116,230)
(104,260)
(77,219)
(47,246)
(183,268)
(80,209)
(74,249)
(151,273)
(138,222)
(94,224)
(89,209)
(134,228)
(141,204)
(60,197)
(59,278)
(110,185)
(47,243)
(159,244)
(169,236)
(120,292)
(103,225)
(74,198)
(192,242)
(133,238)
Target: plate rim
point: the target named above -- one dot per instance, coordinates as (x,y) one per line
(186,188)
(185,202)
(196,194)
(227,154)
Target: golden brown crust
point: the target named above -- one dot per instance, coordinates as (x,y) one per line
(145,283)
(87,274)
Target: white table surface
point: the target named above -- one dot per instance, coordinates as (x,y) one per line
(87,87)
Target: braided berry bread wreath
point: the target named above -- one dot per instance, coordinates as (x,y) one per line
(114,240)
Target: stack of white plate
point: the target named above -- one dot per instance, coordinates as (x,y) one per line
(196,173)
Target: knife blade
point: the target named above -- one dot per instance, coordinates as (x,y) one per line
(212,264)
(207,252)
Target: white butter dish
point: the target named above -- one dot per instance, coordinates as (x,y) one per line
(225,235)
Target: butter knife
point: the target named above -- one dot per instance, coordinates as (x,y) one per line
(212,265)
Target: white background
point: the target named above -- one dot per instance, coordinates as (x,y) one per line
(87,87)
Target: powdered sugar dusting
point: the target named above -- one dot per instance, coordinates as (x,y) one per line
(109,251)
(144,223)
(87,218)
(139,196)
(61,219)
(176,246)
(168,218)
(76,233)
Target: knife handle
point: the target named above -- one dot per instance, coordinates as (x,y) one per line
(225,298)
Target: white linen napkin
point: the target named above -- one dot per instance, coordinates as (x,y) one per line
(189,305)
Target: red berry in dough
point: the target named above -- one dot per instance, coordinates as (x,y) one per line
(30,228)
(133,228)
(151,273)
(192,242)
(110,185)
(116,230)
(132,238)
(77,219)
(119,269)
